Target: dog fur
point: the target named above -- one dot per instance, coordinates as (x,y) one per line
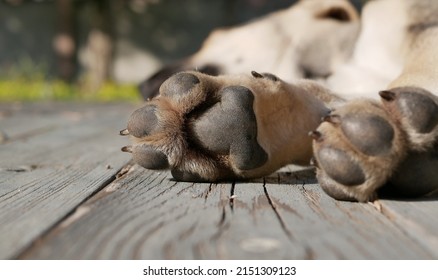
(237,126)
(278,43)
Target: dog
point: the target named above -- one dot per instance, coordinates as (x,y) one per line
(308,40)
(225,125)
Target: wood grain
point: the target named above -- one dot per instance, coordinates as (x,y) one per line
(47,175)
(146,215)
(418,219)
(63,196)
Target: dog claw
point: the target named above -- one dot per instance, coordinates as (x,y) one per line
(387,95)
(127,149)
(124,132)
(256,74)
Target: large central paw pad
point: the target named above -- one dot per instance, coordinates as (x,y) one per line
(201,130)
(229,127)
(356,149)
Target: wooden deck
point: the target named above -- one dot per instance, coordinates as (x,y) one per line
(67,192)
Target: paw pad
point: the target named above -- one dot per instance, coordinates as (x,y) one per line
(230,127)
(179,84)
(142,122)
(370,134)
(340,167)
(417,110)
(149,158)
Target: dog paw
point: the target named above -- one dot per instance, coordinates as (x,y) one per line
(356,149)
(206,128)
(198,129)
(364,146)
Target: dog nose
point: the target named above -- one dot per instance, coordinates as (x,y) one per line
(179,84)
(142,121)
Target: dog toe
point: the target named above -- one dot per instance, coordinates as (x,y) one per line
(340,166)
(142,122)
(417,111)
(370,134)
(179,84)
(149,158)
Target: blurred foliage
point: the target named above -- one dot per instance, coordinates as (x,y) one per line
(28,81)
(23,89)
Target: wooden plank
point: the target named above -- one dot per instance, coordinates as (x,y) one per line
(23,120)
(331,229)
(418,219)
(123,216)
(44,148)
(67,165)
(254,230)
(146,215)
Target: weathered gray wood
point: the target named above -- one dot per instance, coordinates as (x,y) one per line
(136,208)
(340,230)
(417,219)
(45,148)
(59,200)
(22,121)
(146,215)
(48,175)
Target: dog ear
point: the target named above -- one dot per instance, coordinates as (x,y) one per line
(151,86)
(340,10)
(336,13)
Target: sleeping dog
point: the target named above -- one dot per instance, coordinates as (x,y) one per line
(321,73)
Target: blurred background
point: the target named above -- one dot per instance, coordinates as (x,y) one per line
(101,49)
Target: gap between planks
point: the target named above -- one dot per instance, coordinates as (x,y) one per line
(223,225)
(83,208)
(71,216)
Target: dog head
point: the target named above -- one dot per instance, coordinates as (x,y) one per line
(308,40)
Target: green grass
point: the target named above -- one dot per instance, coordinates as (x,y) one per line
(25,89)
(29,80)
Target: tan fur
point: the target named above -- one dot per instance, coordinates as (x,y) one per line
(285,141)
